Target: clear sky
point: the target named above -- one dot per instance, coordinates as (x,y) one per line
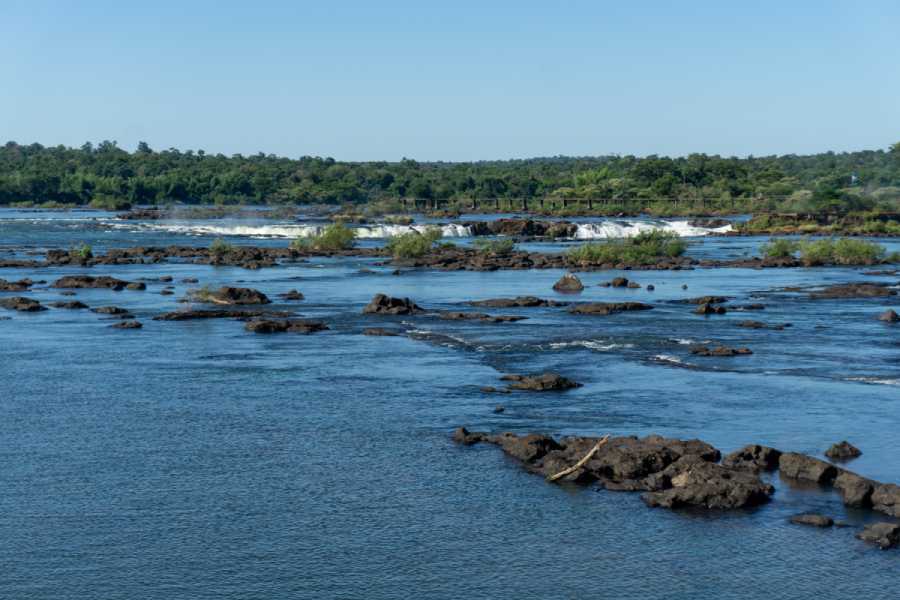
(453,80)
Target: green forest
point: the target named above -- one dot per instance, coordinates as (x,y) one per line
(107,176)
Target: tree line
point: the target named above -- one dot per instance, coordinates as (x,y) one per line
(105,175)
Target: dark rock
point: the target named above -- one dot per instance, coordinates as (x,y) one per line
(466,316)
(87,281)
(710,309)
(753,457)
(619,282)
(189,315)
(812,520)
(856,491)
(527,448)
(127,325)
(540,383)
(607,308)
(650,287)
(761,325)
(386,305)
(71,304)
(233,296)
(886,499)
(843,451)
(489,389)
(379,332)
(498,410)
(806,468)
(720,351)
(705,299)
(21,304)
(285,326)
(15,286)
(110,310)
(166,293)
(713,486)
(136,285)
(463,436)
(190,280)
(291,295)
(568,283)
(519,301)
(883,535)
(889,316)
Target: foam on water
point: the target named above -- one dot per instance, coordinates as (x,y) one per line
(626,229)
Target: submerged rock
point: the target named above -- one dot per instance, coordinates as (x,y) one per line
(568,283)
(704,299)
(518,301)
(607,308)
(386,305)
(110,310)
(843,451)
(883,535)
(136,286)
(70,304)
(719,351)
(540,383)
(380,332)
(889,316)
(285,326)
(15,286)
(806,468)
(291,295)
(467,316)
(189,315)
(22,304)
(710,309)
(127,325)
(854,290)
(812,520)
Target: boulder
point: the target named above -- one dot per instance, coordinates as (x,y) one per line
(127,325)
(21,304)
(843,451)
(527,448)
(812,520)
(704,299)
(88,281)
(386,305)
(619,282)
(15,286)
(71,304)
(291,295)
(886,499)
(233,296)
(540,383)
(136,285)
(518,301)
(285,326)
(754,458)
(719,351)
(806,468)
(889,316)
(463,436)
(713,486)
(110,310)
(568,283)
(883,535)
(467,316)
(856,491)
(379,332)
(710,309)
(607,308)
(854,290)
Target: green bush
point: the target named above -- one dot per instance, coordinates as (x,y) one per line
(413,244)
(81,252)
(105,202)
(645,248)
(498,247)
(845,251)
(779,248)
(220,248)
(336,236)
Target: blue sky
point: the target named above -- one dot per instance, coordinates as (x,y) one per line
(453,80)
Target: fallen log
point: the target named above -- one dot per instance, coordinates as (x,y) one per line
(581,462)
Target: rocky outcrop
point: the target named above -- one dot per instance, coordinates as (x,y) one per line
(886,499)
(719,351)
(21,304)
(812,520)
(709,485)
(87,281)
(292,295)
(15,286)
(843,451)
(232,296)
(190,315)
(483,317)
(753,457)
(110,310)
(806,468)
(568,284)
(607,308)
(710,309)
(856,491)
(127,325)
(285,326)
(749,324)
(883,535)
(70,304)
(705,300)
(518,301)
(380,332)
(386,305)
(545,382)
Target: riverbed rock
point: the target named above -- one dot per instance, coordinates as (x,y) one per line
(704,299)
(854,290)
(486,318)
(843,451)
(886,499)
(292,295)
(568,283)
(812,520)
(465,437)
(527,448)
(69,304)
(889,316)
(285,326)
(719,351)
(127,325)
(136,286)
(750,324)
(619,282)
(806,468)
(381,332)
(883,535)
(710,309)
(753,457)
(190,315)
(228,295)
(22,304)
(15,286)
(110,310)
(607,308)
(382,304)
(518,301)
(544,382)
(88,281)
(709,485)
(856,491)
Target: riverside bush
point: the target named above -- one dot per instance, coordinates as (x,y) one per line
(336,236)
(645,248)
(413,244)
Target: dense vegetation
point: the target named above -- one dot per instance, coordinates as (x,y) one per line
(843,251)
(108,176)
(336,236)
(643,249)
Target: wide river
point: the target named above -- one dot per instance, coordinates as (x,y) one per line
(196,460)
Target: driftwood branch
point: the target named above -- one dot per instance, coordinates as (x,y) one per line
(581,462)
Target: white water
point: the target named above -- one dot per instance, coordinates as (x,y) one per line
(585,231)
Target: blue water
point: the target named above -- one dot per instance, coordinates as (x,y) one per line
(195,460)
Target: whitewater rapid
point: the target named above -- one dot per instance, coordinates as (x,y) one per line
(585,231)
